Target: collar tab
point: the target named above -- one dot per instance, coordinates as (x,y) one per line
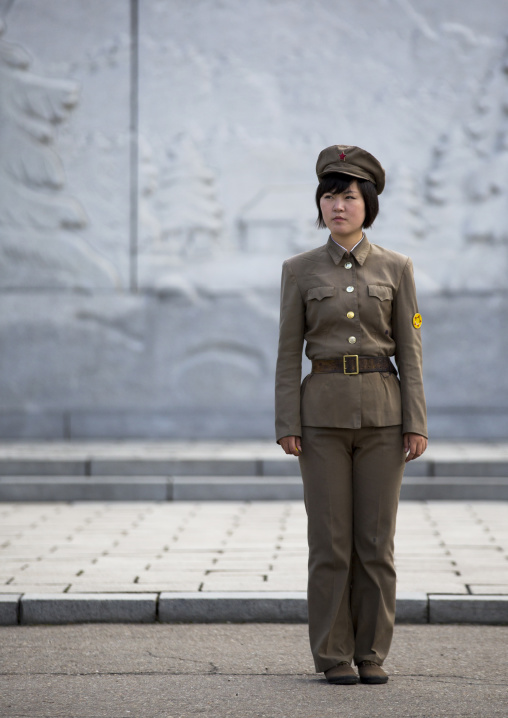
(359,252)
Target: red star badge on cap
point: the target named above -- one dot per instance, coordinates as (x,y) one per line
(342,156)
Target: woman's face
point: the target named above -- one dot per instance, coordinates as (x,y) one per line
(344,213)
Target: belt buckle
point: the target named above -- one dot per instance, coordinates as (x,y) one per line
(351,356)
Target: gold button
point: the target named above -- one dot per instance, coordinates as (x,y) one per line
(352,340)
(348,265)
(350,289)
(350,315)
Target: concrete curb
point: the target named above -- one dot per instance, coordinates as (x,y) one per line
(88,608)
(412,608)
(9,609)
(226,488)
(468,609)
(233,607)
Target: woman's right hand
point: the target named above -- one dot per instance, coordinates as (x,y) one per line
(291,445)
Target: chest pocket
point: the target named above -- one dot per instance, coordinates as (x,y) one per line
(320,293)
(320,315)
(380,291)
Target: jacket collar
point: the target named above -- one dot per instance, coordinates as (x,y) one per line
(360,252)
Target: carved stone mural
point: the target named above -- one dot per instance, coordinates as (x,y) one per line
(181,219)
(467,188)
(156,168)
(40,246)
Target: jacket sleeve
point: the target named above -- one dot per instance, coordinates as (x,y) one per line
(408,354)
(288,373)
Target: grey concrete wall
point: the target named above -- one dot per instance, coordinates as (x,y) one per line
(157,165)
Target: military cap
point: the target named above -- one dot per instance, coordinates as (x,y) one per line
(352,161)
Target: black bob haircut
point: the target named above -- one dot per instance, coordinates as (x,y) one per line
(337,182)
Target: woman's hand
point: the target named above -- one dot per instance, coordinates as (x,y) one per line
(291,445)
(414,446)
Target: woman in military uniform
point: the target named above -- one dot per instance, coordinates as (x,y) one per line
(353,422)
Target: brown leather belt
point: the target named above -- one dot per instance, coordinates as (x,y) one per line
(352,364)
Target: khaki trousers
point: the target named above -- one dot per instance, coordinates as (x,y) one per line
(351,481)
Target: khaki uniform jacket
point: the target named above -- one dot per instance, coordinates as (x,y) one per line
(319,289)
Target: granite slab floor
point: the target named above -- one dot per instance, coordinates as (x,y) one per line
(441,547)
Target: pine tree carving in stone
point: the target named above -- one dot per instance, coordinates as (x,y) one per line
(187,208)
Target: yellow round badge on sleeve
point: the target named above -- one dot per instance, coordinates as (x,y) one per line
(417,321)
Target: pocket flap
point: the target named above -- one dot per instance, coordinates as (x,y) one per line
(380,291)
(320,292)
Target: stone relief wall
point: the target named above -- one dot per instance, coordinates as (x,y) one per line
(142,232)
(181,219)
(40,245)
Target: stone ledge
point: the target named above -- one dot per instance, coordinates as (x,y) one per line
(210,466)
(43,467)
(218,488)
(455,488)
(74,488)
(233,607)
(226,488)
(230,607)
(88,608)
(263,607)
(9,609)
(412,607)
(226,458)
(488,609)
(471,467)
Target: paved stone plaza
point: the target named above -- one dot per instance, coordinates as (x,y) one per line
(154,550)
(68,553)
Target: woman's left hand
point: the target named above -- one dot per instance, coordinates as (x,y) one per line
(414,446)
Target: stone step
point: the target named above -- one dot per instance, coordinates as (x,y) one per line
(220,458)
(227,488)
